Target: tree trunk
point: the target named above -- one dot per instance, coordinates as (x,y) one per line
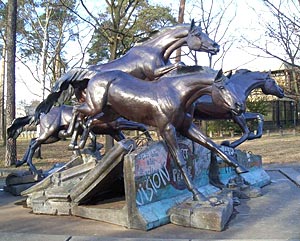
(180,20)
(44,63)
(2,80)
(295,81)
(11,154)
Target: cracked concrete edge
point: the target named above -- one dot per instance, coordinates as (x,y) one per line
(4,236)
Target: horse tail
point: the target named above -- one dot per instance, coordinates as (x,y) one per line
(17,126)
(63,89)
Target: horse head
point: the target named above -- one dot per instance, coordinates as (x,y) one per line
(199,41)
(224,94)
(271,87)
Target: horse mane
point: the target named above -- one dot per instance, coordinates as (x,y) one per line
(157,32)
(242,71)
(189,69)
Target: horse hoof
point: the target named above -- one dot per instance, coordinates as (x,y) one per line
(71,147)
(199,197)
(225,143)
(63,134)
(19,163)
(241,169)
(38,177)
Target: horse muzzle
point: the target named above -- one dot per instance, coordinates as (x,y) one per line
(215,49)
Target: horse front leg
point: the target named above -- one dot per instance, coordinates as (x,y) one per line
(169,135)
(165,69)
(260,122)
(71,127)
(196,135)
(241,122)
(73,143)
(87,130)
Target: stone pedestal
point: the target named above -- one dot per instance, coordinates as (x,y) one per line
(18,181)
(142,188)
(212,215)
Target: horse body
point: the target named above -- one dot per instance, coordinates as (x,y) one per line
(57,120)
(140,100)
(166,104)
(148,60)
(244,82)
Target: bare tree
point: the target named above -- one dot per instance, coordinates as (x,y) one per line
(118,28)
(215,22)
(2,71)
(11,154)
(282,36)
(180,20)
(49,29)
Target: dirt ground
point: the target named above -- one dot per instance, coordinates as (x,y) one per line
(274,148)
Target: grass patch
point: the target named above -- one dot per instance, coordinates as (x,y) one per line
(273,149)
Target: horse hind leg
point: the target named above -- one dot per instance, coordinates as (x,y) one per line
(169,135)
(122,124)
(34,145)
(25,157)
(93,144)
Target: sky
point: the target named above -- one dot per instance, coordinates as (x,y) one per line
(245,24)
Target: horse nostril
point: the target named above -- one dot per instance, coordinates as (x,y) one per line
(217,46)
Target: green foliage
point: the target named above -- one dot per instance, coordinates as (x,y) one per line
(45,28)
(124,24)
(256,102)
(222,126)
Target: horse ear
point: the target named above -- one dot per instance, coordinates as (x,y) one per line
(269,73)
(229,74)
(199,25)
(192,25)
(219,76)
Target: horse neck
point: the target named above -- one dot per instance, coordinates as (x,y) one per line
(246,85)
(170,40)
(192,86)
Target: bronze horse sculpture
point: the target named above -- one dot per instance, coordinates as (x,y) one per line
(166,104)
(147,60)
(244,81)
(57,120)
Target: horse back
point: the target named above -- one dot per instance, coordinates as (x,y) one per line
(140,62)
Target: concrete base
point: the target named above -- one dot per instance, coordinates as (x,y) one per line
(17,189)
(137,187)
(212,215)
(17,182)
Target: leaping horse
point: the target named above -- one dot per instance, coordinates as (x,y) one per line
(148,60)
(57,120)
(166,104)
(244,81)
